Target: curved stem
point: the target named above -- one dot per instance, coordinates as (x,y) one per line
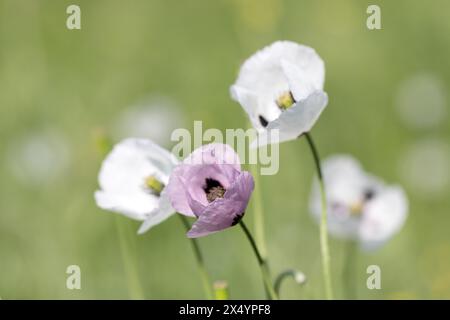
(324,248)
(200,262)
(262,263)
(286,274)
(127,248)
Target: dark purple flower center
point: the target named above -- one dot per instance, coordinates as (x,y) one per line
(237,218)
(263,121)
(213,189)
(357,208)
(369,194)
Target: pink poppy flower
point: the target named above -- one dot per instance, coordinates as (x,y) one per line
(210,185)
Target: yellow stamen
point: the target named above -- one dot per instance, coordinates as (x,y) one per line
(285,101)
(154,185)
(356,208)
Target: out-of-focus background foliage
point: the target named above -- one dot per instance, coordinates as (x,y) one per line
(144,67)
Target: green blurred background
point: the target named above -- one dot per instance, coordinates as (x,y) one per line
(61,89)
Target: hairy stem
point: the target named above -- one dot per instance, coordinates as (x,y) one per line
(262,263)
(258,213)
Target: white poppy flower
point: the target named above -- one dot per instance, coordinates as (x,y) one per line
(360,206)
(281,87)
(132,180)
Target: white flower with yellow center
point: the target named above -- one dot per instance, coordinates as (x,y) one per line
(281,87)
(360,206)
(132,181)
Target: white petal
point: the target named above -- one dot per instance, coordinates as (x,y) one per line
(163,212)
(133,205)
(300,81)
(254,107)
(383,217)
(123,173)
(345,185)
(279,68)
(344,178)
(130,162)
(295,121)
(263,71)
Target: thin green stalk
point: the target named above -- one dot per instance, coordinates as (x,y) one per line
(128,252)
(258,214)
(324,248)
(298,276)
(262,263)
(200,262)
(349,270)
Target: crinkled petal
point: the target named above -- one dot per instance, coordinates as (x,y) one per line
(161,213)
(276,69)
(241,189)
(219,215)
(263,71)
(214,153)
(301,82)
(177,192)
(123,173)
(296,120)
(225,212)
(196,175)
(259,113)
(126,166)
(135,205)
(188,181)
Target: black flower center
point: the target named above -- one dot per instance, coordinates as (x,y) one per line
(213,189)
(357,207)
(263,121)
(368,194)
(237,218)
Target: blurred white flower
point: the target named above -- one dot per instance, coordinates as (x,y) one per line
(360,206)
(154,118)
(425,167)
(421,101)
(132,180)
(281,87)
(38,157)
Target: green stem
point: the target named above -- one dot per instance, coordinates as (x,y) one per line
(127,248)
(200,262)
(258,213)
(287,274)
(349,270)
(324,248)
(262,263)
